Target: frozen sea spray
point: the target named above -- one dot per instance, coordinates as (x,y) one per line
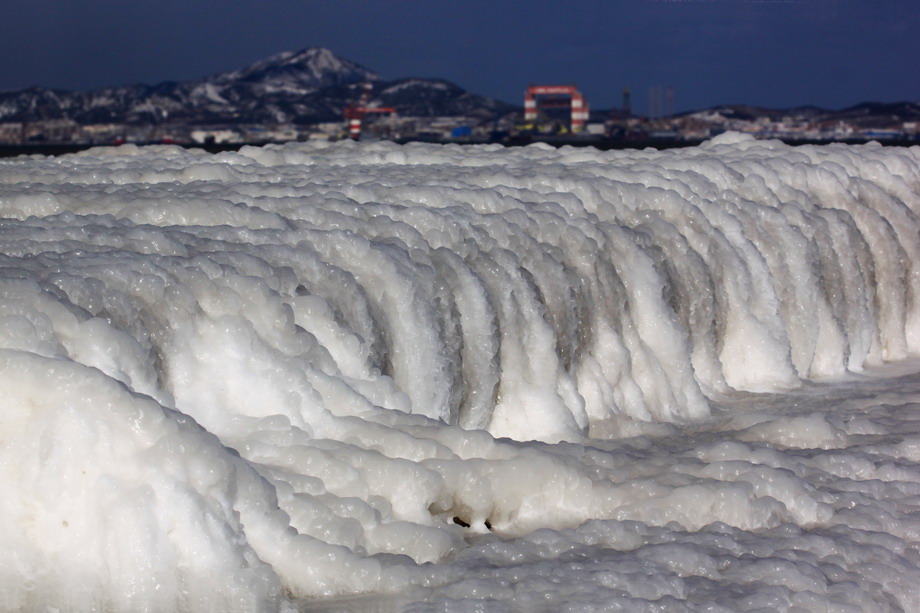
(311,369)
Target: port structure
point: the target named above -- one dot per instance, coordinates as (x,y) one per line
(355,113)
(579,107)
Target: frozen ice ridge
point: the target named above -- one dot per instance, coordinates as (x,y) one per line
(331,376)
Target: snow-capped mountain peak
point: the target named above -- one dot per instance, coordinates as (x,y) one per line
(307,86)
(303,71)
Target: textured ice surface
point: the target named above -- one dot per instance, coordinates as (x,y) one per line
(428,378)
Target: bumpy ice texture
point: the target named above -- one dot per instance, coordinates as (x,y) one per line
(572,380)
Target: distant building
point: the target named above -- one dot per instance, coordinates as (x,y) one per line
(218,136)
(11,133)
(50,131)
(101,133)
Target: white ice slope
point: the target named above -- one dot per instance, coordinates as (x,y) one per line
(247,380)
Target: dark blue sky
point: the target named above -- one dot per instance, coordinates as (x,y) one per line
(777,53)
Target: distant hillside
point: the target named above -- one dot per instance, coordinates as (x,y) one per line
(871,114)
(865,115)
(309,86)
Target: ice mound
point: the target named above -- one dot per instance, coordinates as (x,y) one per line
(327,376)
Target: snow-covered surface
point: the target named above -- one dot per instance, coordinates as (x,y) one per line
(415,84)
(277,378)
(292,72)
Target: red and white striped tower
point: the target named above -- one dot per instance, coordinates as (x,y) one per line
(353,116)
(530,105)
(580,111)
(354,128)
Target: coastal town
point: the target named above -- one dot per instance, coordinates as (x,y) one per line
(805,125)
(315,95)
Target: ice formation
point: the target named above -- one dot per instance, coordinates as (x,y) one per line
(330,376)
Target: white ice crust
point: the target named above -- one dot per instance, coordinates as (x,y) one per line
(528,379)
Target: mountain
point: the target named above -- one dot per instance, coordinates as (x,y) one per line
(433,97)
(873,114)
(866,115)
(297,73)
(309,86)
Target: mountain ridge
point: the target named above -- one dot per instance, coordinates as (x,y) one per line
(863,114)
(312,85)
